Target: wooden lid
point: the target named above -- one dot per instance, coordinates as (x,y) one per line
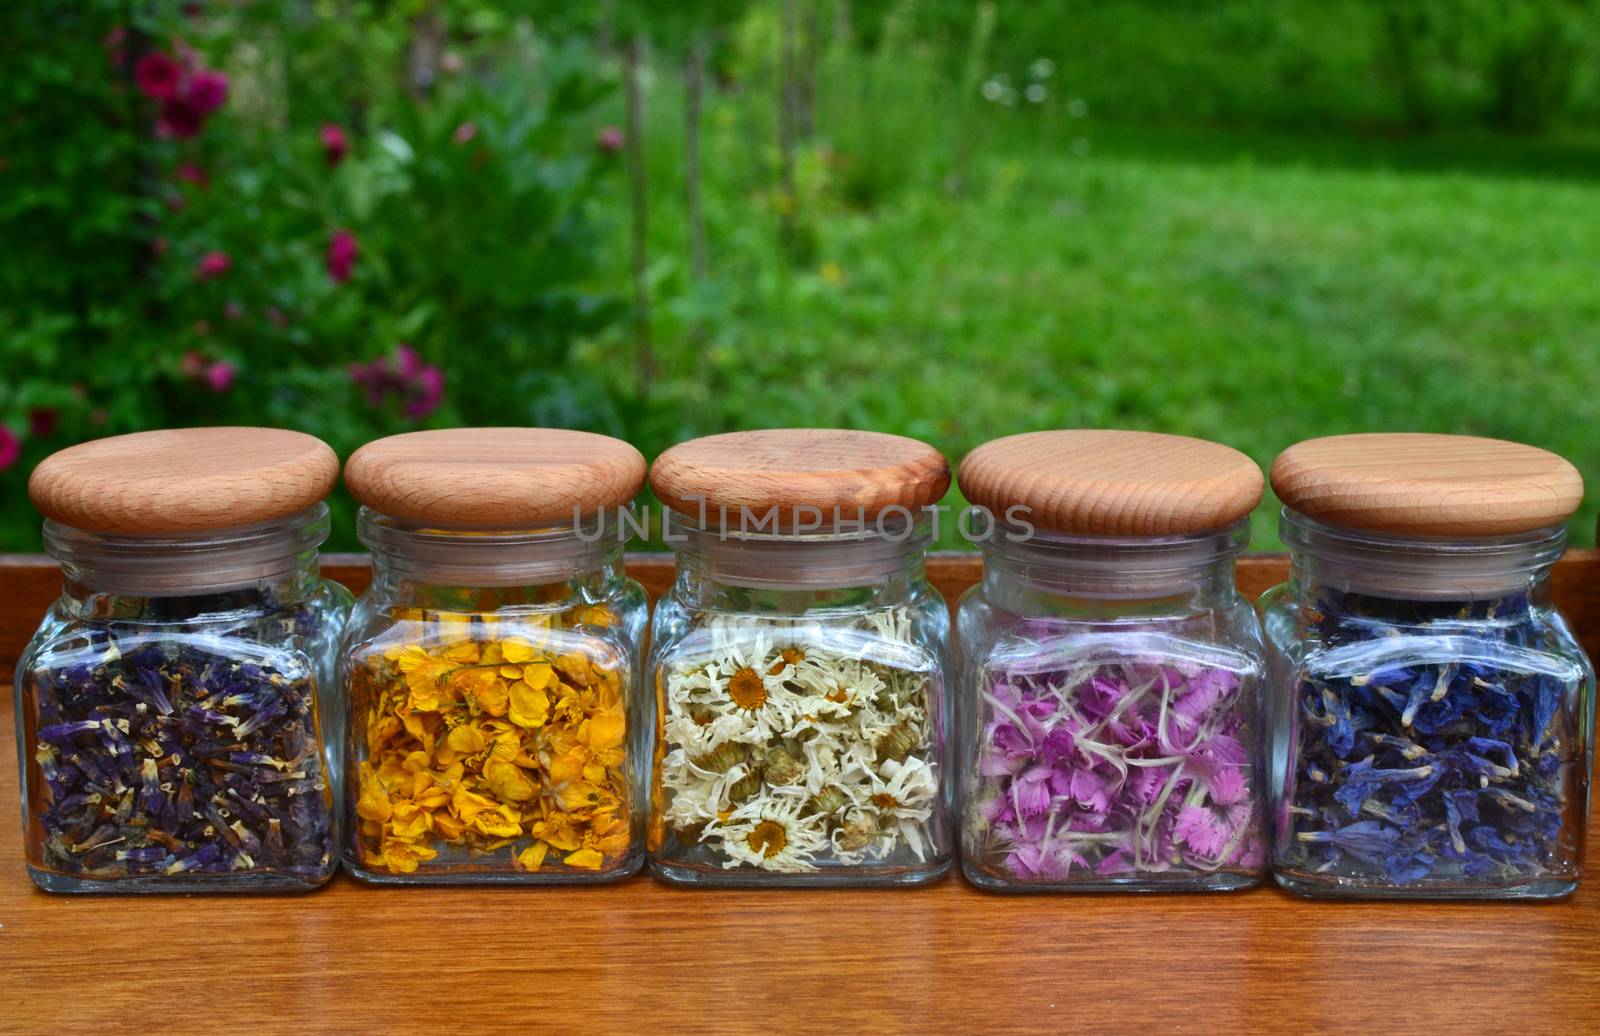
(1100,482)
(1420,484)
(859,473)
(183,479)
(499,477)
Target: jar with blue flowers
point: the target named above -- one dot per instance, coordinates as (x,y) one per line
(1432,715)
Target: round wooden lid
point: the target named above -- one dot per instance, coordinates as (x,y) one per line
(1101,482)
(183,479)
(861,474)
(494,477)
(1421,484)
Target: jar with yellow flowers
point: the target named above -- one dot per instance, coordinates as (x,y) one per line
(495,730)
(799,662)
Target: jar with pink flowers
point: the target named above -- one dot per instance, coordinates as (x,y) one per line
(1109,735)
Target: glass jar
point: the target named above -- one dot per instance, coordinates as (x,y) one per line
(170,706)
(800,685)
(1432,713)
(1109,683)
(496,728)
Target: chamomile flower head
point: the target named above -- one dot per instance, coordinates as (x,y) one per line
(773,834)
(796,725)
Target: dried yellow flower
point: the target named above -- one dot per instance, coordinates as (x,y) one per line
(484,747)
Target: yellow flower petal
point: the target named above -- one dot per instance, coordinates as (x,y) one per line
(516,651)
(532,858)
(373,804)
(530,707)
(579,795)
(585,858)
(466,739)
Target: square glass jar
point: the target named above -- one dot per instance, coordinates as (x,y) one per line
(1432,714)
(496,730)
(1109,670)
(798,663)
(173,709)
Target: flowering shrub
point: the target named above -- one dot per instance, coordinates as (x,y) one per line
(230,215)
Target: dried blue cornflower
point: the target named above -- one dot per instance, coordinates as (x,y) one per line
(1429,747)
(167,752)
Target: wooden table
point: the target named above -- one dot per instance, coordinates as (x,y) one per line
(642,957)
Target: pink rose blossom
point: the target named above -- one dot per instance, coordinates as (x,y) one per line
(206,90)
(418,385)
(334,144)
(219,376)
(10,447)
(426,394)
(213,264)
(157,74)
(610,140)
(465,132)
(179,119)
(341,255)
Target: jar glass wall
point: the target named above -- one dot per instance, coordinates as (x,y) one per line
(496,728)
(1109,715)
(802,710)
(171,712)
(1432,717)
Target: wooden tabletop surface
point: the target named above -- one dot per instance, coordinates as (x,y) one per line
(644,958)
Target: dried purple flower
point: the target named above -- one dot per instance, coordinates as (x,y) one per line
(178,753)
(1120,768)
(1426,749)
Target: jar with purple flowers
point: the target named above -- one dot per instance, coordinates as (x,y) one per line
(1432,714)
(170,718)
(1109,668)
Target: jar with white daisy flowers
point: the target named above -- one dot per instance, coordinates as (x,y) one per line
(495,724)
(1109,669)
(799,663)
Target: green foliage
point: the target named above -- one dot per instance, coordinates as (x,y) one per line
(471,201)
(1251,287)
(1414,64)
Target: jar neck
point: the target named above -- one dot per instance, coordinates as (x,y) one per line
(853,565)
(1111,576)
(1327,559)
(486,569)
(248,566)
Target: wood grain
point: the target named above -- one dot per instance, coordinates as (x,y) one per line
(645,957)
(1427,485)
(1102,482)
(861,474)
(506,477)
(183,479)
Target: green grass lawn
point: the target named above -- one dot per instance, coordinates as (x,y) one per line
(1247,289)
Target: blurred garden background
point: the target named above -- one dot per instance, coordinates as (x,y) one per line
(1250,220)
